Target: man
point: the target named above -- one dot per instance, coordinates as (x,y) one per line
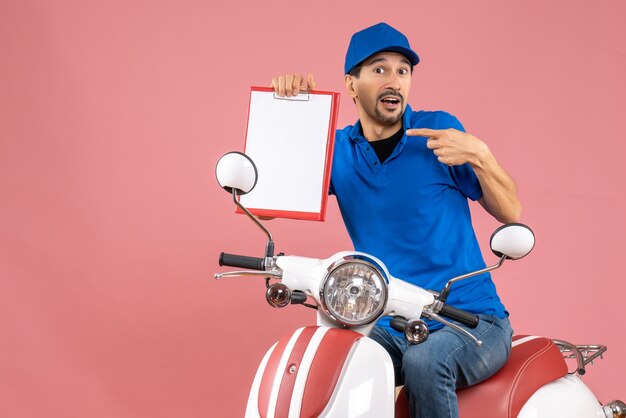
(402,180)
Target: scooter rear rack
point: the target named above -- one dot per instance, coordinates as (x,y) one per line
(584,354)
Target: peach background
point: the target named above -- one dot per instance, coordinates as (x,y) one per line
(113,114)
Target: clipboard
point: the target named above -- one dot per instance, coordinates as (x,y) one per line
(291,141)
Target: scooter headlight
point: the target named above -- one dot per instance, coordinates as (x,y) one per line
(354,292)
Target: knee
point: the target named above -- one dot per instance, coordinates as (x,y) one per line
(424,366)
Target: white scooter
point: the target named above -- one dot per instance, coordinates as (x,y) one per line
(334,370)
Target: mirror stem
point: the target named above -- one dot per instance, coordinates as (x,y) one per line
(269,248)
(446,290)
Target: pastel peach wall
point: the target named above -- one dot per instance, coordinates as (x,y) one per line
(113,114)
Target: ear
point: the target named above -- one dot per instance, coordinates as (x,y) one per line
(350,86)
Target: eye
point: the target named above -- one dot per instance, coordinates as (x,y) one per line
(403,71)
(379,70)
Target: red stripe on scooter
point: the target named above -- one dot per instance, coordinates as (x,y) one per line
(267,381)
(288,381)
(325,370)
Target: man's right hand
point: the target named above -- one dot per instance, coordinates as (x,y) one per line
(292,84)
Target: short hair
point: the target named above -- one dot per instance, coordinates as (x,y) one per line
(356,70)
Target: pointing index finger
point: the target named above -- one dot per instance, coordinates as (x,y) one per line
(423,132)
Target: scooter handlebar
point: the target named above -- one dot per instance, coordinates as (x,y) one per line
(459,315)
(243,261)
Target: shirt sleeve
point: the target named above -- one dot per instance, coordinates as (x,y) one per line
(463,175)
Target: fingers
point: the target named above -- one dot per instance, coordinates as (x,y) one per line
(436,133)
(446,161)
(288,85)
(279,85)
(443,153)
(310,84)
(292,84)
(450,146)
(283,85)
(424,132)
(444,157)
(297,84)
(433,143)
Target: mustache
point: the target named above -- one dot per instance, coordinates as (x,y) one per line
(391,93)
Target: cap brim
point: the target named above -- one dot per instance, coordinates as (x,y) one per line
(409,53)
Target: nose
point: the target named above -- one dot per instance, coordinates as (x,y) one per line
(393,81)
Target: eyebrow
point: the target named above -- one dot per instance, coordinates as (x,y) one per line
(381,59)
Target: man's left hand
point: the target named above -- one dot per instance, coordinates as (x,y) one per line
(453,147)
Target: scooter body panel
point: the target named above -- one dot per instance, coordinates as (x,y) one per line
(252,408)
(366,386)
(565,397)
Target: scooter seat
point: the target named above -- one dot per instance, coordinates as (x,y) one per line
(534,361)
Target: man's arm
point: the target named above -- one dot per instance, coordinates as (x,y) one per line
(454,147)
(500,197)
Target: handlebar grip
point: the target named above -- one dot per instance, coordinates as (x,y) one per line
(243,261)
(459,315)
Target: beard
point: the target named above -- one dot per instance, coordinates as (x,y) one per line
(383,116)
(387,119)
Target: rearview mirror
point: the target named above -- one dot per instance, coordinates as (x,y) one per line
(512,241)
(236,171)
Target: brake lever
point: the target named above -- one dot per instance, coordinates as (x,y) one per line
(242,273)
(429,314)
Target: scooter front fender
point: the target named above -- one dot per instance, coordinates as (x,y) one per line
(323,372)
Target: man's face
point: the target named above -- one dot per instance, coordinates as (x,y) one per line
(382,88)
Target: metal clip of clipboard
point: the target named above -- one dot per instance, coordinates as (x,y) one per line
(295,98)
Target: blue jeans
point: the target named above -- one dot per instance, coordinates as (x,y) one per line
(432,371)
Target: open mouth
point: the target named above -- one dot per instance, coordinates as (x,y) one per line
(391,102)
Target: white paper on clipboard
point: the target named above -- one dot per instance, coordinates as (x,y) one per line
(290,141)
